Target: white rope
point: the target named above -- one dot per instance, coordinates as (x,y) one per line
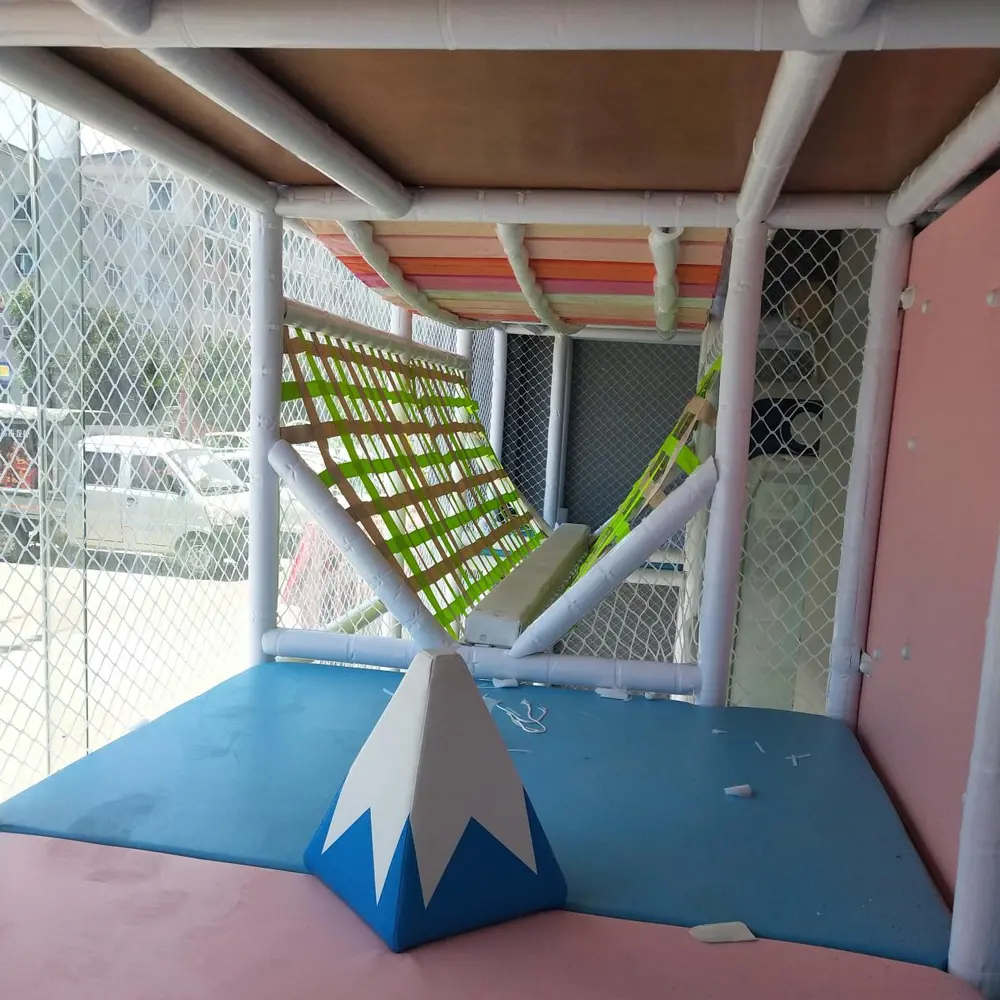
(529,723)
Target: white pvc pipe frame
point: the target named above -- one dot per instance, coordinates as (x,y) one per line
(317,321)
(974,952)
(487,662)
(799,86)
(226,78)
(653,209)
(554,454)
(867,475)
(626,557)
(267,314)
(498,391)
(724,543)
(383,576)
(736,25)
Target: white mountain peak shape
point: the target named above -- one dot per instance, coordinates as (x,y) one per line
(436,757)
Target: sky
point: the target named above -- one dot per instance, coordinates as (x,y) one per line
(15,126)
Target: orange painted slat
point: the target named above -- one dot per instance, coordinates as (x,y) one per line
(478,267)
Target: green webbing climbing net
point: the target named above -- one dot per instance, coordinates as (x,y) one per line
(674,452)
(403,448)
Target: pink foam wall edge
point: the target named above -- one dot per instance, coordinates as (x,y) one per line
(938,528)
(82,922)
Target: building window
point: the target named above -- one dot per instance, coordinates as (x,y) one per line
(209,295)
(234,301)
(24,261)
(115,226)
(209,243)
(233,257)
(24,208)
(114,276)
(87,267)
(161,195)
(209,209)
(168,248)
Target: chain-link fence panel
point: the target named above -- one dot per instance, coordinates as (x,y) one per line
(431,334)
(481,374)
(624,400)
(526,413)
(124,433)
(808,374)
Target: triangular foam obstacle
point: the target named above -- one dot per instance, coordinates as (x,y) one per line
(432,833)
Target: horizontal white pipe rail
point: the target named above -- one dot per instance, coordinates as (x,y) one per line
(384,577)
(773,25)
(831,17)
(130,17)
(487,662)
(867,476)
(298,314)
(578,600)
(55,82)
(965,149)
(974,951)
(226,78)
(798,89)
(653,209)
(615,334)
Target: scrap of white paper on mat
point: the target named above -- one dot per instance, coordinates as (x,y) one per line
(726,933)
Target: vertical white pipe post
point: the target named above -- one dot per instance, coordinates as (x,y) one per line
(557,406)
(974,953)
(463,344)
(694,536)
(724,545)
(400,325)
(267,316)
(498,395)
(561,514)
(867,477)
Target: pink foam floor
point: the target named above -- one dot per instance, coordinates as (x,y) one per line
(81,921)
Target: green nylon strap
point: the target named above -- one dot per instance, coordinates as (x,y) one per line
(352,385)
(684,457)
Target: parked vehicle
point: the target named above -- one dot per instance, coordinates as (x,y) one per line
(38,448)
(294,517)
(160,496)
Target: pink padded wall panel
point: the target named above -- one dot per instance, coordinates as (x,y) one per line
(938,533)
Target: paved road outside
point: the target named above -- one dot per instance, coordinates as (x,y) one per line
(111,647)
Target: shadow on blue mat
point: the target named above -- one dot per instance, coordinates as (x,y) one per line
(629,793)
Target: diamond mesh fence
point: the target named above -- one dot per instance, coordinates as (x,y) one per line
(808,375)
(624,401)
(124,416)
(526,414)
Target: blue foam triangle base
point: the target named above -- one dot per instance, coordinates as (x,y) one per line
(483,884)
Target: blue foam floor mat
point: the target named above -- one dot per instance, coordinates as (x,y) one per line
(629,793)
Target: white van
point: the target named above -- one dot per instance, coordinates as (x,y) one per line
(159,496)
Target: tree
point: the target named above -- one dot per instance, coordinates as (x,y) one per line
(120,370)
